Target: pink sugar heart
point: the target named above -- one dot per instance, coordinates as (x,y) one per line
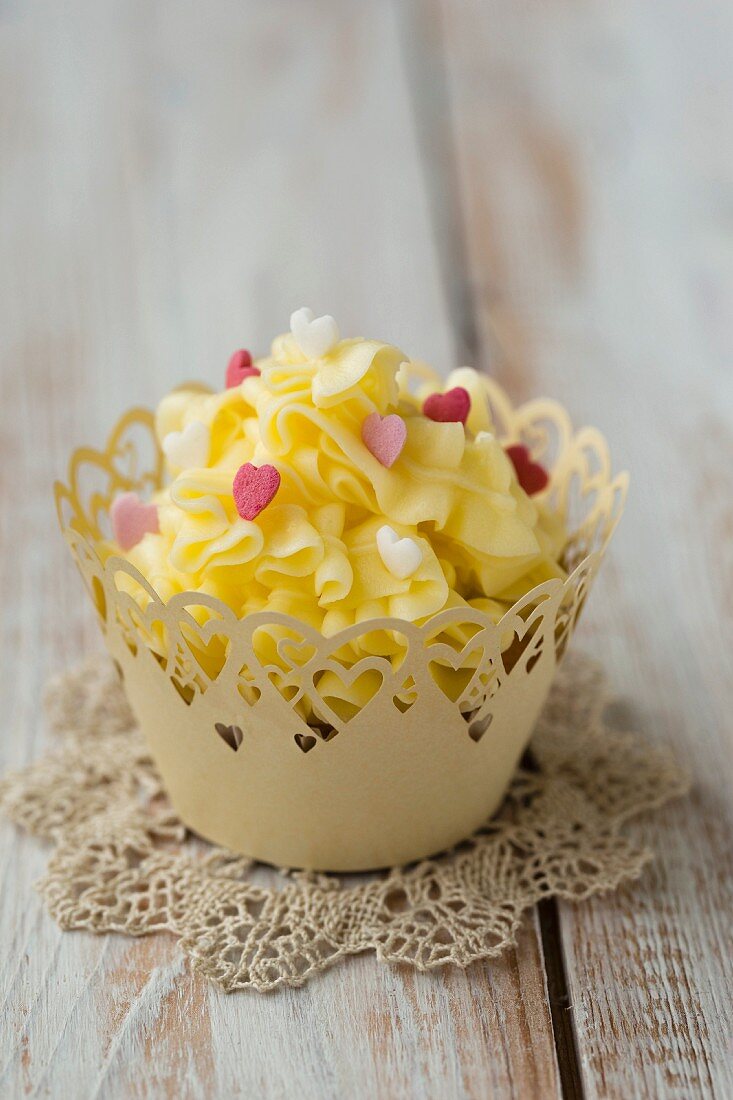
(455,405)
(239,368)
(253,488)
(384,436)
(132,518)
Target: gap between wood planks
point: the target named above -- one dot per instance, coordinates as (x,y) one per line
(421,39)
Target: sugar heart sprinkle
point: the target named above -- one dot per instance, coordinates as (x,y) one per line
(532,477)
(401,557)
(315,336)
(240,367)
(384,436)
(188,449)
(131,519)
(254,488)
(450,407)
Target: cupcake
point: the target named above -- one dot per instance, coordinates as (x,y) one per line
(337,590)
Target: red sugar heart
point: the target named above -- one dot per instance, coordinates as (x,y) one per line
(384,436)
(253,488)
(453,406)
(131,518)
(531,476)
(239,368)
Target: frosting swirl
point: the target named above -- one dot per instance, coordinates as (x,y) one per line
(313,551)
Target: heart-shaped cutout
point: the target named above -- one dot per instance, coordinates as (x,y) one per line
(207,646)
(249,692)
(253,488)
(305,741)
(131,519)
(240,367)
(477,729)
(315,336)
(296,653)
(247,686)
(461,673)
(450,407)
(401,556)
(189,448)
(291,692)
(230,735)
(384,437)
(186,691)
(345,692)
(532,477)
(406,697)
(528,642)
(453,682)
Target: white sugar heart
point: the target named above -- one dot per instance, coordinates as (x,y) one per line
(188,449)
(400,556)
(314,335)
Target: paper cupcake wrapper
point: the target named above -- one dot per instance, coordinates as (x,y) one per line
(419,766)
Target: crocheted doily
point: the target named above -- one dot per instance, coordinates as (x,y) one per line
(123,862)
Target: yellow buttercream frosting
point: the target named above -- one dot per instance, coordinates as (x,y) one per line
(313,552)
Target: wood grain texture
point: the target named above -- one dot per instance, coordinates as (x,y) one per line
(543,189)
(174,179)
(595,188)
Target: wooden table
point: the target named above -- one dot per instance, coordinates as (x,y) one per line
(542,190)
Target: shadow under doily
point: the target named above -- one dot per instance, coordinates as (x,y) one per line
(123,862)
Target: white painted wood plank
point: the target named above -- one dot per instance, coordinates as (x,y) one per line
(596,167)
(174,179)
